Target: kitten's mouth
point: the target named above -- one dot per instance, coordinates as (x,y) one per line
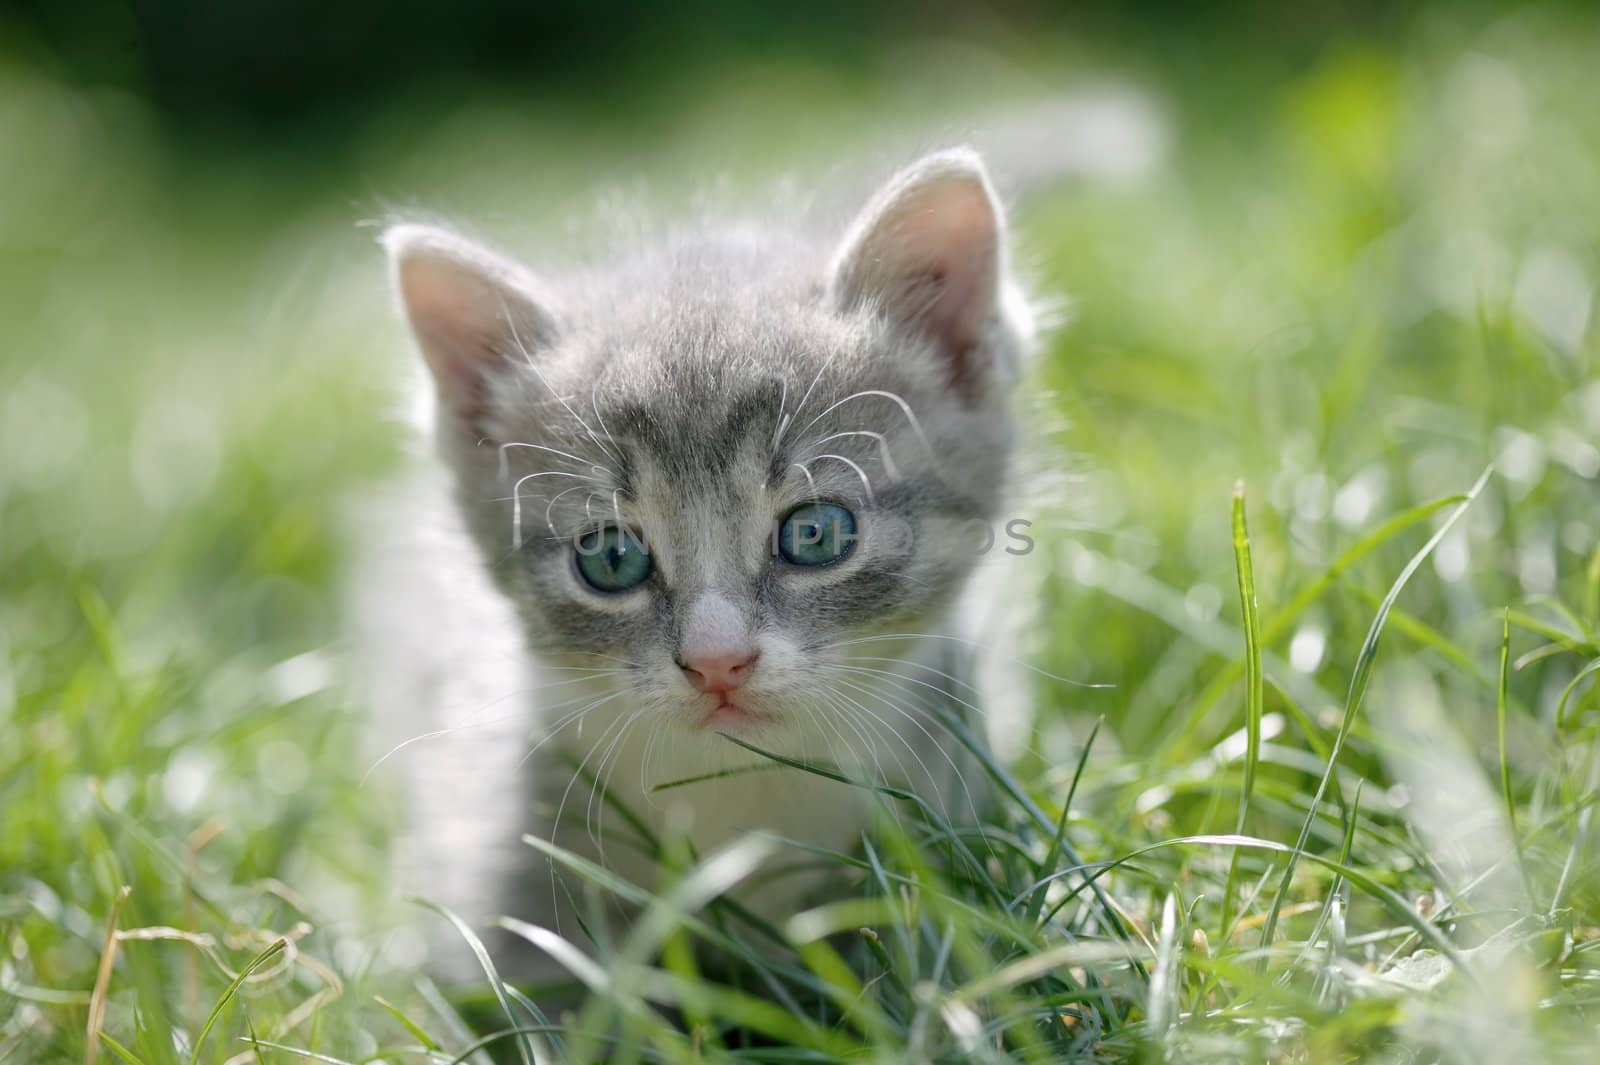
(728,713)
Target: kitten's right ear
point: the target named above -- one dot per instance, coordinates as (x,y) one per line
(472,311)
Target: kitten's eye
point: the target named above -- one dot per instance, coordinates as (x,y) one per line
(612,559)
(816,534)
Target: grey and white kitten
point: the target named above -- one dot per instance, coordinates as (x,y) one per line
(726,487)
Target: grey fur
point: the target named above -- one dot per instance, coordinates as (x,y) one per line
(696,392)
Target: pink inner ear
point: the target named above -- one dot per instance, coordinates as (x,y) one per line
(930,257)
(955,236)
(454,328)
(472,313)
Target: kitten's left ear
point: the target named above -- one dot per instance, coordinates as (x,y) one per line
(929,251)
(473,312)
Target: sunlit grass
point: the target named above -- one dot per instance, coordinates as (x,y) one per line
(1354,822)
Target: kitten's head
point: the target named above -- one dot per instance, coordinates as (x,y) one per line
(723,466)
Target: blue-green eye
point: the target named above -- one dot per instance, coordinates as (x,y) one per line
(612,559)
(816,534)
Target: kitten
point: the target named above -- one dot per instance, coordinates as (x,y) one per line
(727,487)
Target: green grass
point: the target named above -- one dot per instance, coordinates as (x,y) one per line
(1345,814)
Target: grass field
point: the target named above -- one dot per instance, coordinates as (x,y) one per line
(1334,802)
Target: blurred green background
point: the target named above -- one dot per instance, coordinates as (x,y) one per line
(1361,267)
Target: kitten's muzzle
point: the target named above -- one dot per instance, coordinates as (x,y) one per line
(717,674)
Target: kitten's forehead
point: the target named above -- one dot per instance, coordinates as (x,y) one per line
(697,383)
(690,440)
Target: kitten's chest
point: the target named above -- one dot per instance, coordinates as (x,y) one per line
(650,790)
(643,779)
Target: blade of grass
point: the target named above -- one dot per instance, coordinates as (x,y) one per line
(948,832)
(1162,1012)
(1581,836)
(1588,670)
(257,962)
(1391,899)
(301,1052)
(119,1050)
(1570,640)
(407,1023)
(732,1006)
(632,893)
(449,1017)
(1250,616)
(1358,689)
(1285,618)
(588,971)
(255,1041)
(1036,904)
(479,951)
(1591,590)
(1506,792)
(1333,889)
(997,773)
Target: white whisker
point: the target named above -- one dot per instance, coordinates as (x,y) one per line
(905,408)
(420,737)
(551,731)
(516,499)
(960,639)
(783,419)
(810,480)
(866,484)
(550,506)
(803,400)
(551,450)
(595,406)
(961,778)
(883,448)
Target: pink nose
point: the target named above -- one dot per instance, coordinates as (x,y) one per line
(718,673)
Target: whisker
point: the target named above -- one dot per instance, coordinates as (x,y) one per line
(972,805)
(959,639)
(844,704)
(630,663)
(577,773)
(905,408)
(961,777)
(598,417)
(865,483)
(919,665)
(921,683)
(595,825)
(516,498)
(810,480)
(783,419)
(551,506)
(438,733)
(883,448)
(551,731)
(541,447)
(803,400)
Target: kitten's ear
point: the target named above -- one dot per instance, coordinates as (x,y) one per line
(929,251)
(473,312)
